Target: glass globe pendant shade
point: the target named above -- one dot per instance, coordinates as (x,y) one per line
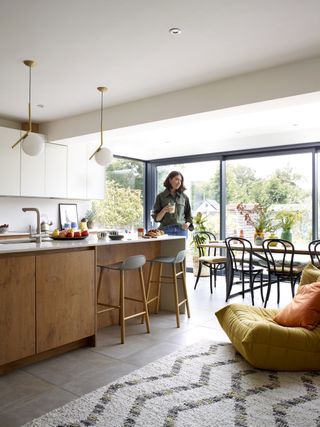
(103,156)
(33,144)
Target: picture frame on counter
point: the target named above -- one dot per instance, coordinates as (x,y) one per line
(68,215)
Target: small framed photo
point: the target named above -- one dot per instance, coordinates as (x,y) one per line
(68,214)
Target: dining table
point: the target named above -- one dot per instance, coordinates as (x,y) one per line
(301,252)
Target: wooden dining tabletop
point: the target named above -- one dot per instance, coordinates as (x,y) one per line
(220,244)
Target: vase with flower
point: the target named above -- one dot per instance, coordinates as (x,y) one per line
(287,219)
(258,217)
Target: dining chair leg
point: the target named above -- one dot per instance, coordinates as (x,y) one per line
(229,281)
(198,275)
(215,276)
(268,292)
(261,286)
(278,290)
(210,268)
(251,284)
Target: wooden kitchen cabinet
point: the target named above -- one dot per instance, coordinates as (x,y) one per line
(17,308)
(65,293)
(10,162)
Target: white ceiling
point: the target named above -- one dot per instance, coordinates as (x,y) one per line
(126,45)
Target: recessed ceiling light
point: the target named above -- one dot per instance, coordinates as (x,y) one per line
(295,124)
(40,105)
(175,31)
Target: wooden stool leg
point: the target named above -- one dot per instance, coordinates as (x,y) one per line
(185,288)
(99,284)
(159,288)
(145,305)
(176,297)
(122,325)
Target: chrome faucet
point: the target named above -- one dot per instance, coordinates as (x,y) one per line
(38,235)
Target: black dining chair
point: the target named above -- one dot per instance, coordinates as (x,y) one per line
(208,256)
(240,263)
(279,254)
(314,252)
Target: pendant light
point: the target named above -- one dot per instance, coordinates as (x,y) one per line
(102,155)
(32,143)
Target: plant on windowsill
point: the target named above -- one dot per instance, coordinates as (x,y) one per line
(90,217)
(286,220)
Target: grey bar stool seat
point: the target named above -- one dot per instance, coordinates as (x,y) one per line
(177,264)
(135,262)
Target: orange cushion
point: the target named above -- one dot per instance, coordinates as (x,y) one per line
(303,310)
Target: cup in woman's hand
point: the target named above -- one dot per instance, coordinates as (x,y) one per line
(172,207)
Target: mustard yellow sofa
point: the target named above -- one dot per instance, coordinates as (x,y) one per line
(267,345)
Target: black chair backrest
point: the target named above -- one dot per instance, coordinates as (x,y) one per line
(279,254)
(201,237)
(239,252)
(314,248)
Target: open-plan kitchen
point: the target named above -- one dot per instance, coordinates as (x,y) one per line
(159,213)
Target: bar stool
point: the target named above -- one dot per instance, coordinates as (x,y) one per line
(131,263)
(178,260)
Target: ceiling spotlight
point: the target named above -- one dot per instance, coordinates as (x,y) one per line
(32,143)
(175,31)
(102,155)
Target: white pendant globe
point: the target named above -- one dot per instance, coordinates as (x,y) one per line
(33,144)
(103,157)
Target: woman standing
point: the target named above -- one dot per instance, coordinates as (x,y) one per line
(172,207)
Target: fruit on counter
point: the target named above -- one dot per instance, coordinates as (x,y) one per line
(84,233)
(62,233)
(77,234)
(70,232)
(56,232)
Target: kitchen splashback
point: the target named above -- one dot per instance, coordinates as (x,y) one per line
(11,211)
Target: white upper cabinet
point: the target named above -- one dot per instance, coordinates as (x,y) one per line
(77,170)
(96,177)
(33,175)
(56,170)
(9,162)
(63,169)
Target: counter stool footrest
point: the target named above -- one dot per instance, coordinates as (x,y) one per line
(142,313)
(133,299)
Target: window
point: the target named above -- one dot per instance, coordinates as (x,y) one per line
(281,184)
(124,199)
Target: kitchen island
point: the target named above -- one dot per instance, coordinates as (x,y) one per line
(48,293)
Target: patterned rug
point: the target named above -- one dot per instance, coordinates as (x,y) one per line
(202,385)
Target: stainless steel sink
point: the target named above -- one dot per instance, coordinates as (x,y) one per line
(21,241)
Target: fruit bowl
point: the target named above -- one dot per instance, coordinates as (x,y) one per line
(68,238)
(116,236)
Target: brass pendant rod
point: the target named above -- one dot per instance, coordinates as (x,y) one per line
(101,89)
(29,104)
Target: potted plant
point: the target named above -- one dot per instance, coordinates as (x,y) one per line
(90,217)
(200,224)
(286,220)
(259,217)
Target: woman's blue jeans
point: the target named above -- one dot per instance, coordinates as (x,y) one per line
(175,230)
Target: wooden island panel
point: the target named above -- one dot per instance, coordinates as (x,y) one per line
(65,292)
(17,308)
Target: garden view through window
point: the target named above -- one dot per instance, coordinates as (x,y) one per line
(124,199)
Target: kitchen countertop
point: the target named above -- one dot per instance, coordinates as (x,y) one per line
(7,248)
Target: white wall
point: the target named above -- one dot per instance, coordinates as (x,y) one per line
(288,80)
(11,211)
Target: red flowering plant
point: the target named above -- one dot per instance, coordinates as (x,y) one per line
(257,216)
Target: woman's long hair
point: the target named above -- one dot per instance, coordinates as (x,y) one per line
(171,175)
